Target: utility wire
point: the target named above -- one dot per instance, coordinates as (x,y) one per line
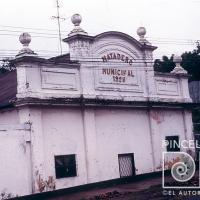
(49,54)
(153,39)
(21,27)
(95,68)
(100,61)
(154,42)
(40,33)
(64,32)
(88,59)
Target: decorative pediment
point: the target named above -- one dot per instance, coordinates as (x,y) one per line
(120,35)
(116,54)
(116,46)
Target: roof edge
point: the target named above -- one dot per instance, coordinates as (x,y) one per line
(107,33)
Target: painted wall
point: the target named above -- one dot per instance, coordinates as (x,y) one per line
(167,123)
(120,132)
(15,170)
(63,134)
(97,136)
(9,116)
(135,81)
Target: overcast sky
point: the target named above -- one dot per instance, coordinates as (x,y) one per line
(172,25)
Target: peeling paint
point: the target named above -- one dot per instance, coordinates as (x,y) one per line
(155,115)
(45,185)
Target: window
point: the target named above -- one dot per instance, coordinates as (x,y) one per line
(65,166)
(126,165)
(173,143)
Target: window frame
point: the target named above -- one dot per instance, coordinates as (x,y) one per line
(60,173)
(131,155)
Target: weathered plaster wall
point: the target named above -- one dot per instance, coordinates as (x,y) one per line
(131,81)
(40,81)
(15,160)
(168,123)
(97,136)
(63,134)
(95,139)
(120,132)
(9,116)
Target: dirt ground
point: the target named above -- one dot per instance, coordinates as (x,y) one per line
(150,189)
(146,189)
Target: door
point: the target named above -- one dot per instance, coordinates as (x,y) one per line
(126,165)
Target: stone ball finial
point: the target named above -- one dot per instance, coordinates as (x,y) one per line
(178,69)
(25,39)
(177,59)
(141,31)
(76,19)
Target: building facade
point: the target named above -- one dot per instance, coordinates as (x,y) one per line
(95,114)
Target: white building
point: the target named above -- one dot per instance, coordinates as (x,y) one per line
(97,113)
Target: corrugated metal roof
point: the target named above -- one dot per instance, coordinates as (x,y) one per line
(8,87)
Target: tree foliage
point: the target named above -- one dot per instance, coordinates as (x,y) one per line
(164,65)
(6,65)
(190,62)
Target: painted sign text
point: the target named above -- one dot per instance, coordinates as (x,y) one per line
(118,75)
(117,56)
